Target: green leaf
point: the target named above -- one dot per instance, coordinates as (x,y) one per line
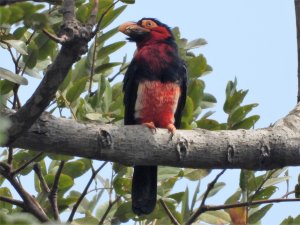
(107,50)
(275,180)
(215,217)
(188,111)
(105,36)
(111,16)
(258,215)
(195,91)
(6,86)
(90,220)
(234,198)
(64,184)
(185,210)
(122,185)
(19,45)
(196,192)
(128,1)
(233,101)
(4,191)
(124,212)
(15,78)
(208,101)
(195,174)
(75,169)
(217,187)
(4,15)
(265,193)
(165,172)
(240,113)
(208,124)
(102,68)
(76,90)
(195,43)
(247,123)
(196,66)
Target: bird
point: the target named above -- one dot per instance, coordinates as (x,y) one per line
(155,89)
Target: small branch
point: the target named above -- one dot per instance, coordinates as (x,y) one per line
(53,191)
(262,183)
(94,173)
(287,194)
(30,202)
(53,37)
(117,74)
(13,173)
(201,209)
(93,65)
(171,216)
(13,202)
(101,18)
(110,205)
(41,178)
(68,10)
(93,16)
(243,204)
(10,156)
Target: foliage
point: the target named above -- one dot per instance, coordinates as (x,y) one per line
(88,94)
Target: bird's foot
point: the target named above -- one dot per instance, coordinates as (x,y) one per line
(151,126)
(172,129)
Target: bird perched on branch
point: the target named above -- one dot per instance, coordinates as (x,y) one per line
(154,86)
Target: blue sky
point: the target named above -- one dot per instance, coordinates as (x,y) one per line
(253,40)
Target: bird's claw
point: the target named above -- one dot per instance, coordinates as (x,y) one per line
(151,126)
(172,129)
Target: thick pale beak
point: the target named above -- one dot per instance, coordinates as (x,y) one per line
(132,29)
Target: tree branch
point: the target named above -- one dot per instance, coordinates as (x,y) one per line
(261,149)
(75,39)
(53,191)
(32,205)
(13,173)
(94,173)
(13,202)
(171,216)
(202,207)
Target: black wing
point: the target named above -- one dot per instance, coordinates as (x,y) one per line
(130,86)
(182,98)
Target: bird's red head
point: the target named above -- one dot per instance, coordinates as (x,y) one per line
(146,31)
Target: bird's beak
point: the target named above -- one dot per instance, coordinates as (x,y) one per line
(132,29)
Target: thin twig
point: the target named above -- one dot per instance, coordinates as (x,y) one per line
(53,192)
(41,178)
(53,37)
(171,216)
(32,205)
(117,74)
(101,18)
(110,205)
(10,156)
(93,65)
(243,204)
(13,201)
(16,171)
(201,208)
(76,205)
(93,16)
(287,194)
(261,185)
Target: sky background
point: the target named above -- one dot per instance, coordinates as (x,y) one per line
(252,40)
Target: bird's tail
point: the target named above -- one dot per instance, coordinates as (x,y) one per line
(144,188)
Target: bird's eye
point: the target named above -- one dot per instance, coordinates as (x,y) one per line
(149,24)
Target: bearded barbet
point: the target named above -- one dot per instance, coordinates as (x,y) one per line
(155,87)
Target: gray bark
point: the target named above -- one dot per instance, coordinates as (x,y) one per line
(259,149)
